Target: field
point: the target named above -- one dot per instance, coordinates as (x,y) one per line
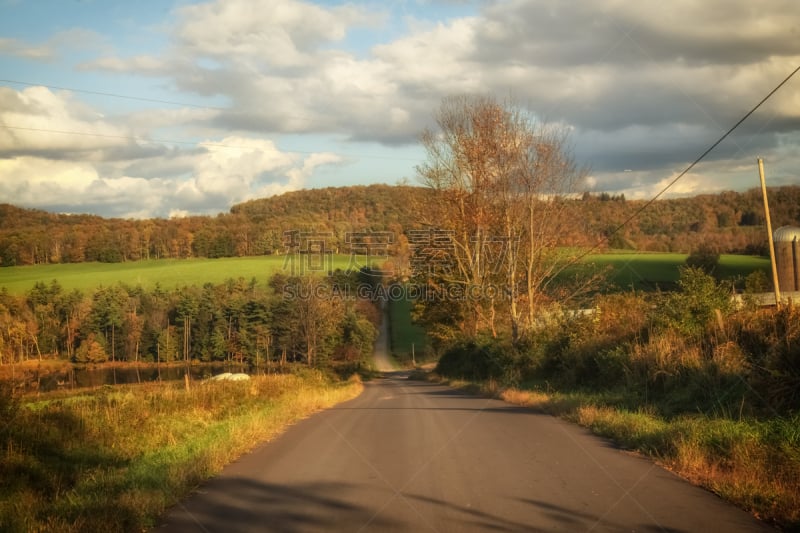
(648,271)
(641,271)
(169,273)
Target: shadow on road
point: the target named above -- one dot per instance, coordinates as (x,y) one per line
(254,506)
(578,520)
(247,505)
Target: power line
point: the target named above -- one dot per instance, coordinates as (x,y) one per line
(193,143)
(113,95)
(690,167)
(166,141)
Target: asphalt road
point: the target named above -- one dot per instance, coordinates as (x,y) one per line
(414,456)
(383,360)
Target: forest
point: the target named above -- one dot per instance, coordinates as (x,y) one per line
(729,222)
(239,321)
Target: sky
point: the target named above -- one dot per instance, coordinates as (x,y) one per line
(172,108)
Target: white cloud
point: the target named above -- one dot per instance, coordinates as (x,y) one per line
(68,186)
(54,47)
(242,169)
(15,47)
(232,166)
(37,120)
(178,213)
(141,64)
(62,154)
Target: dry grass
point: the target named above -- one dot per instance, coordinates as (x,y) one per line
(753,464)
(31,368)
(115,458)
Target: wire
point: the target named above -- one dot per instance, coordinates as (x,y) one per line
(169,141)
(203,143)
(113,95)
(690,167)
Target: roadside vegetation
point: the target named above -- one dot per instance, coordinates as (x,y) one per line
(708,390)
(654,352)
(115,458)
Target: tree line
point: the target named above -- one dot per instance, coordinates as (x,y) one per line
(238,321)
(730,222)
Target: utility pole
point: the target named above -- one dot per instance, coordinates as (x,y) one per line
(769,234)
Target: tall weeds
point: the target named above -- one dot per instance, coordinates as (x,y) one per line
(113,459)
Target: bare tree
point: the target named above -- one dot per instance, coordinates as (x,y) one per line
(502,177)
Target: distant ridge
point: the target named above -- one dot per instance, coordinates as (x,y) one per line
(729,222)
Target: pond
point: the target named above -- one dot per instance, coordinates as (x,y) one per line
(76,378)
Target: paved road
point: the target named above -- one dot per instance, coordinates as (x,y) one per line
(414,456)
(382,355)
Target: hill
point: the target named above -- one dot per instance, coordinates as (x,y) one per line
(730,222)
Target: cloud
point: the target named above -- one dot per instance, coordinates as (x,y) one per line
(17,48)
(69,186)
(277,34)
(39,121)
(60,154)
(644,86)
(605,66)
(235,164)
(54,47)
(217,178)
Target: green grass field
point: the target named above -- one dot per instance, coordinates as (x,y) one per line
(648,271)
(404,335)
(169,273)
(642,271)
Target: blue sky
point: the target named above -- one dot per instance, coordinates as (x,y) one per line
(212,103)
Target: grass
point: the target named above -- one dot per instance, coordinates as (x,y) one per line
(642,271)
(405,336)
(754,464)
(114,459)
(647,271)
(169,273)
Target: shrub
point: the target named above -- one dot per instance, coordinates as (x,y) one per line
(704,258)
(471,360)
(770,339)
(90,351)
(697,303)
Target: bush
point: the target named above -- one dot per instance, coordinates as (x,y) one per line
(471,360)
(698,302)
(705,259)
(770,340)
(90,351)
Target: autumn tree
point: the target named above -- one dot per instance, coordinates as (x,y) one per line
(42,299)
(73,308)
(502,178)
